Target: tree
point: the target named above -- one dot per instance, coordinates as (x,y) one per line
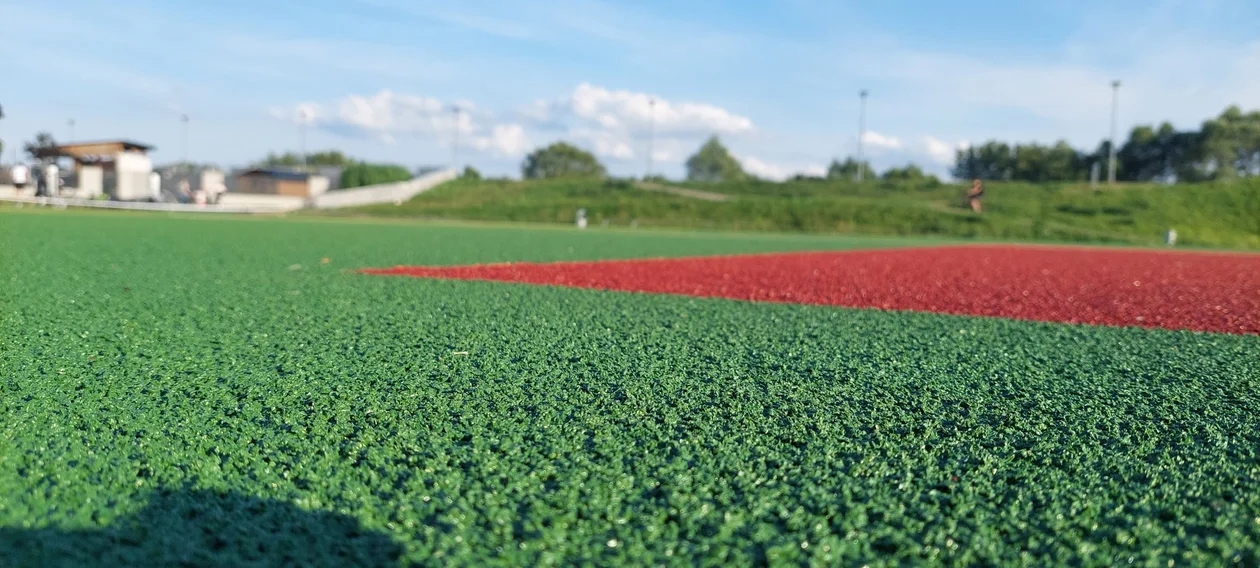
(1037,163)
(361,174)
(1226,147)
(909,174)
(470,174)
(1162,154)
(992,160)
(561,160)
(712,162)
(1230,144)
(291,159)
(43,147)
(847,169)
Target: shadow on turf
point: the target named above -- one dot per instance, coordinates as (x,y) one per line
(206,528)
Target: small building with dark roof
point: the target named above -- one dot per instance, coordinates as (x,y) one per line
(278,181)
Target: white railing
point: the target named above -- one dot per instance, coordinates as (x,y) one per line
(262,203)
(248,203)
(63,202)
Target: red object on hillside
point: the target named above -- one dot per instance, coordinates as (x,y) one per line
(1200,291)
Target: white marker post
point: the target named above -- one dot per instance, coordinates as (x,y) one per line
(52,179)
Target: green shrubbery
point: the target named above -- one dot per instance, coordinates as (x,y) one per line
(362,174)
(1218,215)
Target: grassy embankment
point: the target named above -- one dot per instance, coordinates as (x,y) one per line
(1209,215)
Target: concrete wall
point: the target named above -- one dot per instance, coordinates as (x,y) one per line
(383,193)
(131,171)
(91,181)
(318,185)
(262,202)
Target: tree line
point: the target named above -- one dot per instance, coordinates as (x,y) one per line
(1225,147)
(712,162)
(354,173)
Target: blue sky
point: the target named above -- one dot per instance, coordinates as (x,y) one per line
(777,80)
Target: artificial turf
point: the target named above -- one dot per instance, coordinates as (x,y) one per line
(178,390)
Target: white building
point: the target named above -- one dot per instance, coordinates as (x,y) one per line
(118,168)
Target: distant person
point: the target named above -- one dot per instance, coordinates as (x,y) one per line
(41,183)
(21,176)
(974,194)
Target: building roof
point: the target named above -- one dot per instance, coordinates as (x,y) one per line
(99,149)
(277,173)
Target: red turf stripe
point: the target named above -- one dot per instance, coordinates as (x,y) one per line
(1174,290)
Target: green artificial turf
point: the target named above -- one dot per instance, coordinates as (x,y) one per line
(191,391)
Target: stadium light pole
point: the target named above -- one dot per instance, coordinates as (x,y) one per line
(455,144)
(861,133)
(651,135)
(183,118)
(1115,106)
(302,135)
(70,123)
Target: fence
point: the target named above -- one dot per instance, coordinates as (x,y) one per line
(249,203)
(63,202)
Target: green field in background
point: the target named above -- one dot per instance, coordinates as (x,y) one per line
(203,391)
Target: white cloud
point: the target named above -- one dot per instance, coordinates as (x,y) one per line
(387,114)
(608,144)
(877,140)
(505,139)
(301,113)
(613,109)
(942,152)
(544,111)
(613,124)
(778,172)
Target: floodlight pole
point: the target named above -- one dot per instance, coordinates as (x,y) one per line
(302,134)
(861,134)
(1115,106)
(183,118)
(455,144)
(651,135)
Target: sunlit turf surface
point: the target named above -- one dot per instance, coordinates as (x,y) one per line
(231,391)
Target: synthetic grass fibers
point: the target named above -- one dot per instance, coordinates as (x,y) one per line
(234,392)
(1182,290)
